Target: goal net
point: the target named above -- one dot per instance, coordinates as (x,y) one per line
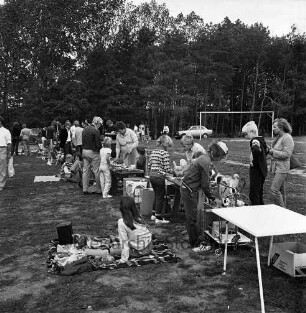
(230,123)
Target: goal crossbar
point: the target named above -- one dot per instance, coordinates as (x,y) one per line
(238,112)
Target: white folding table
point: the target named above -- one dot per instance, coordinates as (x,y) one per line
(262,221)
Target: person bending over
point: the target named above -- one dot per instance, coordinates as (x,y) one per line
(196,178)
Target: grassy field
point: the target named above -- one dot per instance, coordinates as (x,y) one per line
(29,216)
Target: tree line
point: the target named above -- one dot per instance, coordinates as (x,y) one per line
(73,59)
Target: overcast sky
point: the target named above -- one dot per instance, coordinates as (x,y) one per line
(277,15)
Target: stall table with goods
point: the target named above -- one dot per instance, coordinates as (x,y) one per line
(268,220)
(119,173)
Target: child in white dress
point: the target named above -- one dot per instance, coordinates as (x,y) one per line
(105,174)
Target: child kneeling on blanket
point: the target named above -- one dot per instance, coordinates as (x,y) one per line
(135,238)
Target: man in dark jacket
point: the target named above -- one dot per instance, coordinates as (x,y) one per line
(258,162)
(195,179)
(91,153)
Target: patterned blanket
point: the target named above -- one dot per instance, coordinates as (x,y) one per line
(72,259)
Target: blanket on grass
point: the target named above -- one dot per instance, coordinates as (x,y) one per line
(72,259)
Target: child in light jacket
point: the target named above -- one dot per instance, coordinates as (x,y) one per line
(105,174)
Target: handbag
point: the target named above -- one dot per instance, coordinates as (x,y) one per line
(10,167)
(294,162)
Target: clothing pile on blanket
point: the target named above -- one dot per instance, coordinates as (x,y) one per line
(73,259)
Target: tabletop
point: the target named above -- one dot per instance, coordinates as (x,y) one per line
(264,220)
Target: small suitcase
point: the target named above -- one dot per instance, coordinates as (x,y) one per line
(64,232)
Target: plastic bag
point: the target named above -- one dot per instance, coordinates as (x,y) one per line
(10,167)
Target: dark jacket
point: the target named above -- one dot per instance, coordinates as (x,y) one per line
(91,139)
(197,176)
(259,151)
(63,137)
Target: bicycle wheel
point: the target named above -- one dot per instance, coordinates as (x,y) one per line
(239,199)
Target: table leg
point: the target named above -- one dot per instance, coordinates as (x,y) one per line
(270,249)
(225,251)
(262,303)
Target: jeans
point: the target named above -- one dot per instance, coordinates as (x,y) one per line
(190,202)
(91,161)
(278,189)
(256,186)
(160,201)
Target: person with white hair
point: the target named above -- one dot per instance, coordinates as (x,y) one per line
(258,162)
(91,153)
(195,179)
(191,148)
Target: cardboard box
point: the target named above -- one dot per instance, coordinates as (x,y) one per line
(290,258)
(133,185)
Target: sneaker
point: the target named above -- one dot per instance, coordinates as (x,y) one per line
(49,163)
(107,197)
(163,221)
(202,247)
(153,217)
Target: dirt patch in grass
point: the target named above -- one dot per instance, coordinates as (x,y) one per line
(29,216)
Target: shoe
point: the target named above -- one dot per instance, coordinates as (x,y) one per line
(163,221)
(202,247)
(86,193)
(49,163)
(107,197)
(153,217)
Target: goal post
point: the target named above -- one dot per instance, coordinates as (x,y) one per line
(269,113)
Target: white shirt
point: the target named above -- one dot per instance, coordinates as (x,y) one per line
(103,155)
(5,137)
(194,149)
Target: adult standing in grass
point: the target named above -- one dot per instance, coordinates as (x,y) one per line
(5,152)
(281,150)
(258,162)
(91,153)
(25,137)
(15,138)
(126,144)
(197,178)
(158,166)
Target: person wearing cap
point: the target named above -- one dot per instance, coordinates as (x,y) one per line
(126,144)
(197,178)
(91,153)
(5,152)
(258,162)
(191,148)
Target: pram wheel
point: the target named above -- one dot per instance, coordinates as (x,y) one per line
(218,252)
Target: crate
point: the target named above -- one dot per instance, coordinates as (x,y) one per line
(290,258)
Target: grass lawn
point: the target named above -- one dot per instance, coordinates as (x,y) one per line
(29,216)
